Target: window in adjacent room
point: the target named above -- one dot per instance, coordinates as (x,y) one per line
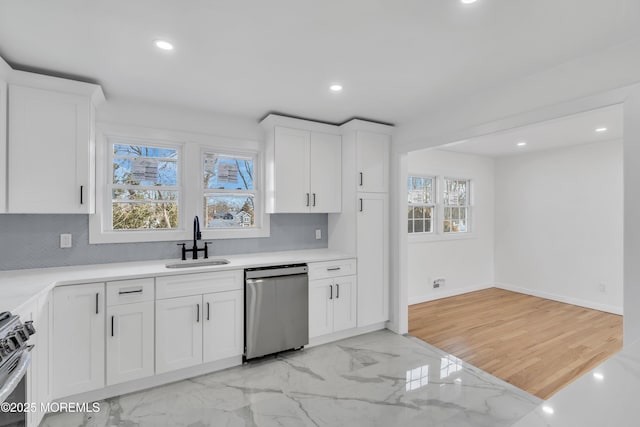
(421,192)
(229,190)
(145,187)
(456,205)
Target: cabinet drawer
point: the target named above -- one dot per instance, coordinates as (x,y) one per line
(130,291)
(199,283)
(327,269)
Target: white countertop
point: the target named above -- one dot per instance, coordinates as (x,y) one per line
(18,287)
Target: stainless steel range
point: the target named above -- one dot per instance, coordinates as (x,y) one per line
(14,360)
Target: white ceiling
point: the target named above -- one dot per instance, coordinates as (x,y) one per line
(563,132)
(394,58)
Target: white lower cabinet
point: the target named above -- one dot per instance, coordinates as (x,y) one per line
(373,258)
(199,319)
(130,343)
(332,305)
(78,341)
(223,326)
(178,333)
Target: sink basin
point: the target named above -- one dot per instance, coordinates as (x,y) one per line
(197,263)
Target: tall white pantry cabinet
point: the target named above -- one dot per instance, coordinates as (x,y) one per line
(363,226)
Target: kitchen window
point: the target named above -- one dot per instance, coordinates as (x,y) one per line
(229,191)
(421,207)
(151,183)
(145,187)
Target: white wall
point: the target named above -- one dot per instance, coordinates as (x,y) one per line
(466,264)
(559,224)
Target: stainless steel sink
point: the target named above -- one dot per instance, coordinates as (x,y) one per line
(197,263)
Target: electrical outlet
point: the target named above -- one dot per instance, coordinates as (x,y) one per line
(439,283)
(65,241)
(318,234)
(602,287)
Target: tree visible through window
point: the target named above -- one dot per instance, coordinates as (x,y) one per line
(421,204)
(145,188)
(229,191)
(456,205)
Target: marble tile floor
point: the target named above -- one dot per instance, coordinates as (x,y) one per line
(606,396)
(377,379)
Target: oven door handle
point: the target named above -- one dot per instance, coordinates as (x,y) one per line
(16,376)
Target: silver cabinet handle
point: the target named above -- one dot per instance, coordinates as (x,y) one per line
(137,291)
(333,269)
(307,199)
(361,207)
(361,180)
(112,320)
(331,288)
(337,290)
(208,311)
(314,199)
(97,302)
(81,194)
(198,313)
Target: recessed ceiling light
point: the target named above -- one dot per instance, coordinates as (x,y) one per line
(521,143)
(468,1)
(336,88)
(603,129)
(163,44)
(598,376)
(548,409)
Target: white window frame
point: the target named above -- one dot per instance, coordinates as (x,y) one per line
(438,233)
(261,219)
(432,205)
(467,206)
(190,178)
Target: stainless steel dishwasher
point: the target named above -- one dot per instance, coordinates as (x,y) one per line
(276,308)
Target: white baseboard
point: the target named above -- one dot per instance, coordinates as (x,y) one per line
(324,339)
(153,381)
(446,293)
(560,298)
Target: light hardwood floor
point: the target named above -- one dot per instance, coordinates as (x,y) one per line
(536,344)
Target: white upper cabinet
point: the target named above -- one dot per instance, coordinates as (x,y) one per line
(291,170)
(325,171)
(51,157)
(303,166)
(372,159)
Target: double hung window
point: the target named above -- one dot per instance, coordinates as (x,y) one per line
(145,187)
(229,191)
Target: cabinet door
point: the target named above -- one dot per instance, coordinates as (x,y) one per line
(344,303)
(325,167)
(372,153)
(40,362)
(78,339)
(3,145)
(320,307)
(373,258)
(49,145)
(178,333)
(291,170)
(130,342)
(223,327)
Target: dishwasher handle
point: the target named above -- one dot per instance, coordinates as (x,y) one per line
(285,270)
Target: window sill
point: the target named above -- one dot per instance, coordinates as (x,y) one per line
(437,237)
(99,237)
